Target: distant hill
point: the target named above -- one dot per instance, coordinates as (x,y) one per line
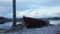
(55,18)
(4,20)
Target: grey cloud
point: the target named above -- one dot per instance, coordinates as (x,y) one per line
(30,4)
(37,4)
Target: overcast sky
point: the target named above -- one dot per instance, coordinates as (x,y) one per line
(31,8)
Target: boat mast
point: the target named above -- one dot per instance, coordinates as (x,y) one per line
(14,13)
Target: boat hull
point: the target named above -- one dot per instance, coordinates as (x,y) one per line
(34,23)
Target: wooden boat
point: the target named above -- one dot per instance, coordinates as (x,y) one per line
(33,22)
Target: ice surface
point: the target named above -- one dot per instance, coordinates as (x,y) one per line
(43,30)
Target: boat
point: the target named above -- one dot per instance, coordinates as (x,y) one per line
(29,22)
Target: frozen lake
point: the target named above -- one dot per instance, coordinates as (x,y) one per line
(43,30)
(9,24)
(55,22)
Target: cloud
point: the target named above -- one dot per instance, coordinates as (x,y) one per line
(39,13)
(16,0)
(32,4)
(35,4)
(2,9)
(5,1)
(28,7)
(39,2)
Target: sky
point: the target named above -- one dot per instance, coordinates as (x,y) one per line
(31,8)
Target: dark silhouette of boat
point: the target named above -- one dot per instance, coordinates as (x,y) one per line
(33,22)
